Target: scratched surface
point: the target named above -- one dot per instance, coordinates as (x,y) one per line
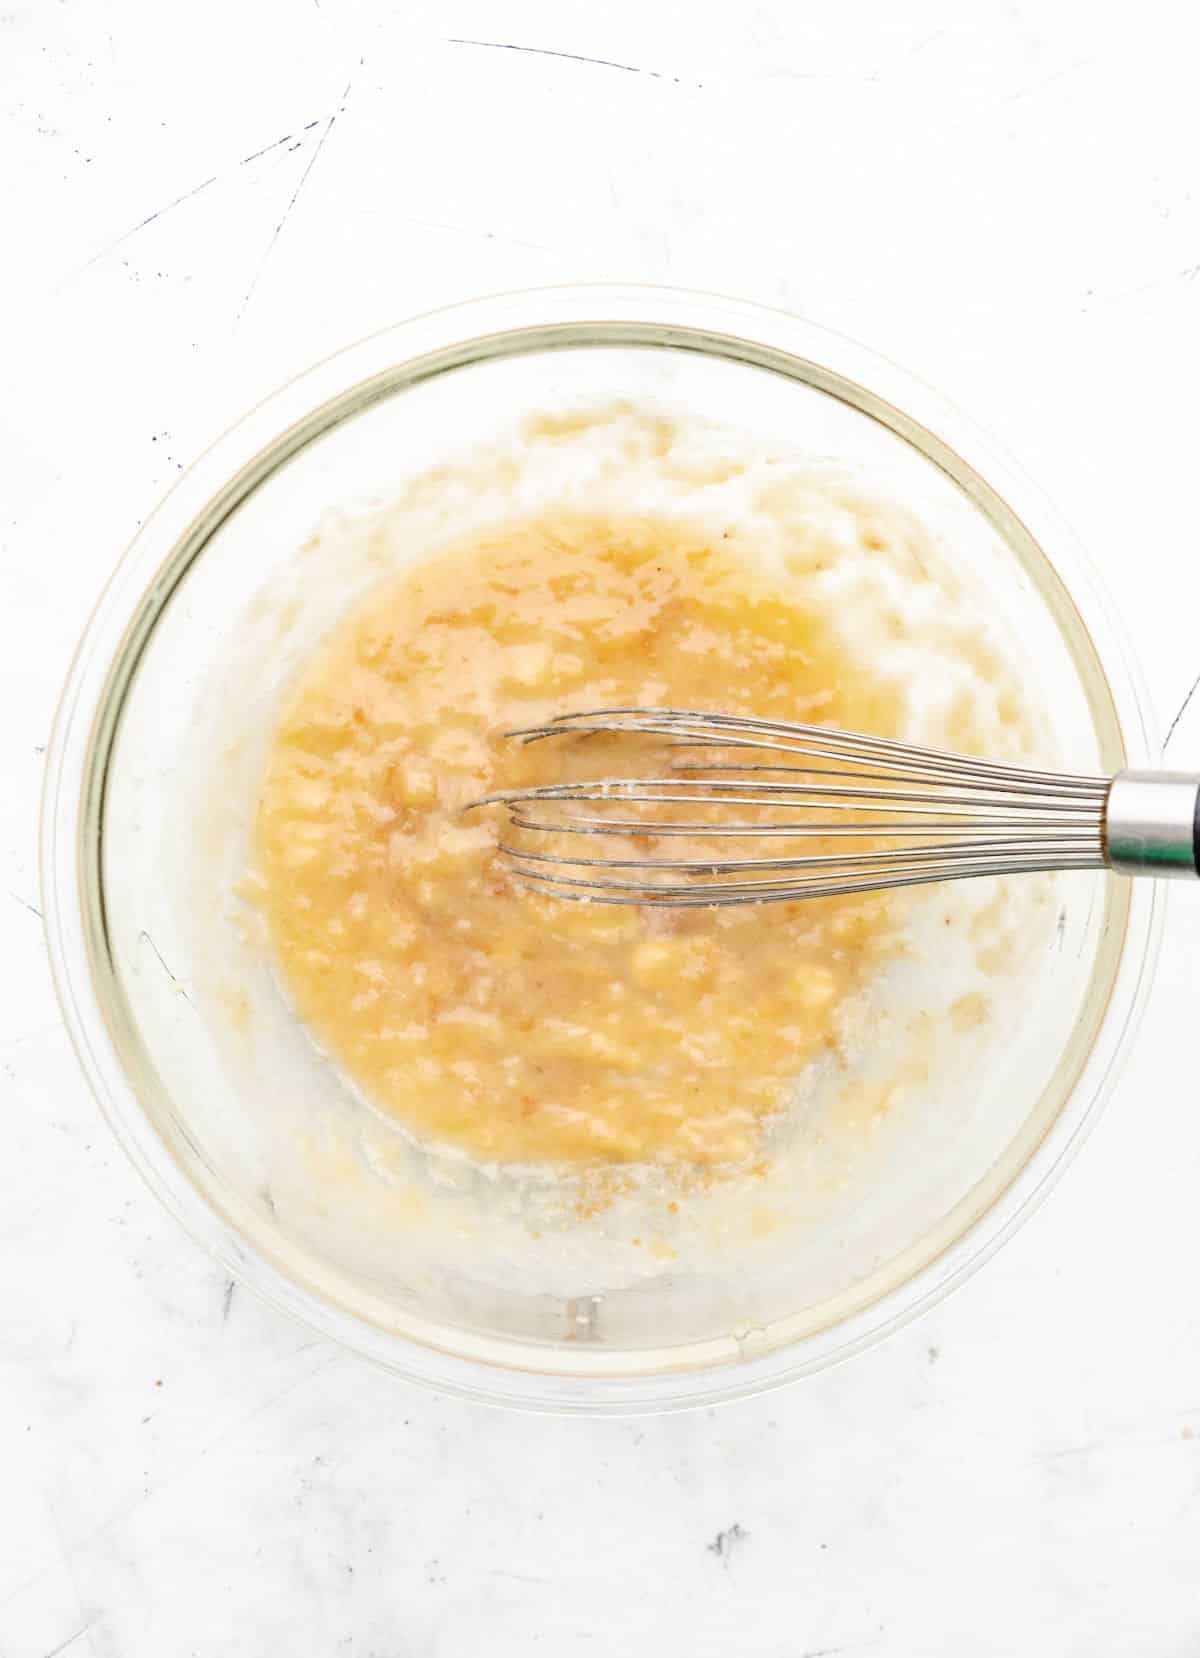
(199,200)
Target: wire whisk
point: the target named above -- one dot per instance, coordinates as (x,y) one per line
(765,810)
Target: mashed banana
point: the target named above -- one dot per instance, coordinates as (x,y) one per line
(516,1027)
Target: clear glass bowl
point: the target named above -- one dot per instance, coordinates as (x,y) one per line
(121,904)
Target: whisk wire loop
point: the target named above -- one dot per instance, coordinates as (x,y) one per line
(866,813)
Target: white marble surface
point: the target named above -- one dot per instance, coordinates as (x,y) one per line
(200,199)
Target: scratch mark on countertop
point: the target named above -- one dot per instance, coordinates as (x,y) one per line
(924,44)
(1183,708)
(520,1577)
(162,963)
(1049,80)
(1134,1437)
(847,1646)
(70,1640)
(72,1575)
(829,77)
(178,201)
(1187,273)
(725,1542)
(477,235)
(267,1404)
(125,1510)
(288,210)
(227,1300)
(24,903)
(277,143)
(1066,1451)
(571,57)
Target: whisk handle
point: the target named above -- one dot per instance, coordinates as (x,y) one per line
(1152,823)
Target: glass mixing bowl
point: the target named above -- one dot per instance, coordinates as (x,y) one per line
(125,874)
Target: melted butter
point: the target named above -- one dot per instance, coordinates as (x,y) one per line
(514,1026)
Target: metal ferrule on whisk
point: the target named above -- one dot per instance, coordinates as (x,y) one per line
(1152,823)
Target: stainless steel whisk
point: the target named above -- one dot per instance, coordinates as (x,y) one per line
(942,816)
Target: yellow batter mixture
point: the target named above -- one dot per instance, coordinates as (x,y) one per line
(517,1027)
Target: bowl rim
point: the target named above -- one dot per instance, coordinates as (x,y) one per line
(277,427)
